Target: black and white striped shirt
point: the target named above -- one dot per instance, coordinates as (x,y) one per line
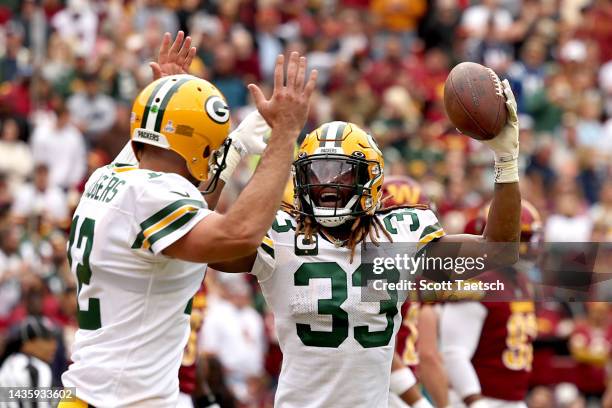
(21,370)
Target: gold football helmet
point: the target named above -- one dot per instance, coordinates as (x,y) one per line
(289,194)
(338,174)
(185,114)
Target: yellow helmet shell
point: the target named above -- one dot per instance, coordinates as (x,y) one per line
(289,193)
(185,114)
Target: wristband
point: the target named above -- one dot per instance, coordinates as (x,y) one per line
(401,380)
(506,171)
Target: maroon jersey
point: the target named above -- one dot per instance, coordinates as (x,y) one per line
(408,333)
(591,347)
(187,372)
(505,351)
(405,342)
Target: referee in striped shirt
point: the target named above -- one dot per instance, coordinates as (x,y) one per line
(31,349)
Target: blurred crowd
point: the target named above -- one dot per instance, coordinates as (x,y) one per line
(69,70)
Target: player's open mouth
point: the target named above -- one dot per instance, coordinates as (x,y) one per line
(329,199)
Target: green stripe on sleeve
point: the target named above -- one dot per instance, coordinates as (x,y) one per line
(167,210)
(172,227)
(161,214)
(138,241)
(432,228)
(269,250)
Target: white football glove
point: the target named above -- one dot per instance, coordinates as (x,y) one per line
(247,139)
(248,136)
(505,145)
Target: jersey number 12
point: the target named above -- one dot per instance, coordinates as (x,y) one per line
(88,319)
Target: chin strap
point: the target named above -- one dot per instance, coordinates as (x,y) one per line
(234,155)
(216,167)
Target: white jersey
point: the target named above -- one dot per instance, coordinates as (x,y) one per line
(337,346)
(134,302)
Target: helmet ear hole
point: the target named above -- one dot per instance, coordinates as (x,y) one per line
(206,152)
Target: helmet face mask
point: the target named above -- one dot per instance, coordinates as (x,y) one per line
(337,184)
(331,187)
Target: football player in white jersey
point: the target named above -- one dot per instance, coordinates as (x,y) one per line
(141,234)
(337,346)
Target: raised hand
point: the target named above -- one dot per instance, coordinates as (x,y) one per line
(505,145)
(174,59)
(288,106)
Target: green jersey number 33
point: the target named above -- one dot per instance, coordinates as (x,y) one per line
(332,306)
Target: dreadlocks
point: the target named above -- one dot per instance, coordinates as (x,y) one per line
(364,226)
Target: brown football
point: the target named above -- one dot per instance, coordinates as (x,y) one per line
(474,100)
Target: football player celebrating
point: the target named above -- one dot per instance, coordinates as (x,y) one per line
(338,349)
(416,348)
(141,234)
(488,346)
(247,138)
